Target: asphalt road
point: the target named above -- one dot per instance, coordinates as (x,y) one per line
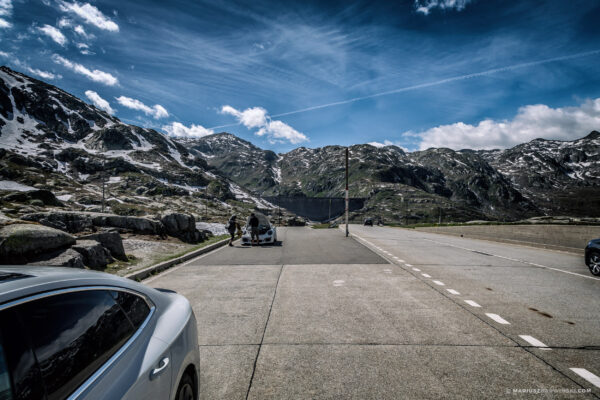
(392,314)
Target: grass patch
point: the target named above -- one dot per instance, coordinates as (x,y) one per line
(208,242)
(320,226)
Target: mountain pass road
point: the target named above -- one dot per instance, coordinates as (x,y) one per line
(392,313)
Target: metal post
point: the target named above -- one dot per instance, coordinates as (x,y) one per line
(329,218)
(279,205)
(347,198)
(440,222)
(103,184)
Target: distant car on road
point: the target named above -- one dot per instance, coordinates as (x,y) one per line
(368,222)
(267,233)
(76,334)
(592,256)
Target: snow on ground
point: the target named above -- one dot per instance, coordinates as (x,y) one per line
(241,195)
(12,185)
(64,197)
(114,179)
(215,228)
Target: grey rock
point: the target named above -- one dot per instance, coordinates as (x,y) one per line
(94,254)
(46,197)
(66,221)
(61,258)
(111,241)
(23,241)
(136,224)
(182,226)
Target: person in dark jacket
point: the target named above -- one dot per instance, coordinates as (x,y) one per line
(232,225)
(253,222)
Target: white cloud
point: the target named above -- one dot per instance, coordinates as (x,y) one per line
(64,22)
(254,117)
(278,131)
(43,74)
(425,6)
(157,111)
(5,54)
(177,129)
(4,23)
(99,102)
(89,14)
(54,33)
(79,30)
(6,8)
(531,122)
(95,75)
(379,144)
(257,117)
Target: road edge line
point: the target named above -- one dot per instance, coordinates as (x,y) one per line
(163,266)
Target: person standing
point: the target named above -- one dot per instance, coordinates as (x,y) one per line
(253,222)
(232,225)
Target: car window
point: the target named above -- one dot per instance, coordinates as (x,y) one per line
(72,335)
(5,387)
(134,306)
(19,359)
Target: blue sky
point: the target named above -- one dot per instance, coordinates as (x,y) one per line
(452,73)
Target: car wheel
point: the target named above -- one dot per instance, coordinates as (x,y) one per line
(186,389)
(594,263)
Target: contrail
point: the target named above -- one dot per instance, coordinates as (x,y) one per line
(435,83)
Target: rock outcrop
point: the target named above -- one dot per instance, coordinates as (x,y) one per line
(59,258)
(182,226)
(111,241)
(94,254)
(45,197)
(21,242)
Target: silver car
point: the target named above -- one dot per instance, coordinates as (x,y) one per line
(77,334)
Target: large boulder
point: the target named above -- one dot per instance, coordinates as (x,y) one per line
(136,224)
(19,242)
(182,226)
(94,254)
(65,221)
(59,258)
(109,240)
(83,221)
(44,196)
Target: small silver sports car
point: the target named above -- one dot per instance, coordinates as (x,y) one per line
(267,233)
(76,334)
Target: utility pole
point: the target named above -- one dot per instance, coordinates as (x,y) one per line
(279,205)
(347,198)
(329,218)
(103,184)
(440,222)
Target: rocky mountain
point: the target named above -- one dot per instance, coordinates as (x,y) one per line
(49,139)
(538,178)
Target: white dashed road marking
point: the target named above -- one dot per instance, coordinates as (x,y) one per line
(453,291)
(416,269)
(498,318)
(408,265)
(534,342)
(338,283)
(426,275)
(472,303)
(587,375)
(387,271)
(440,283)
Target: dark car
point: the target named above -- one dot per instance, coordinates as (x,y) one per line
(592,256)
(368,222)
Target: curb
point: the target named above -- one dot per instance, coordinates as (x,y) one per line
(157,268)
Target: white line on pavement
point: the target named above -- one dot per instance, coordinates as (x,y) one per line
(534,342)
(498,318)
(517,260)
(440,283)
(408,265)
(400,260)
(453,291)
(416,269)
(587,375)
(426,275)
(472,303)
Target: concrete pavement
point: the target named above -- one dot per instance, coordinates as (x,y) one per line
(324,316)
